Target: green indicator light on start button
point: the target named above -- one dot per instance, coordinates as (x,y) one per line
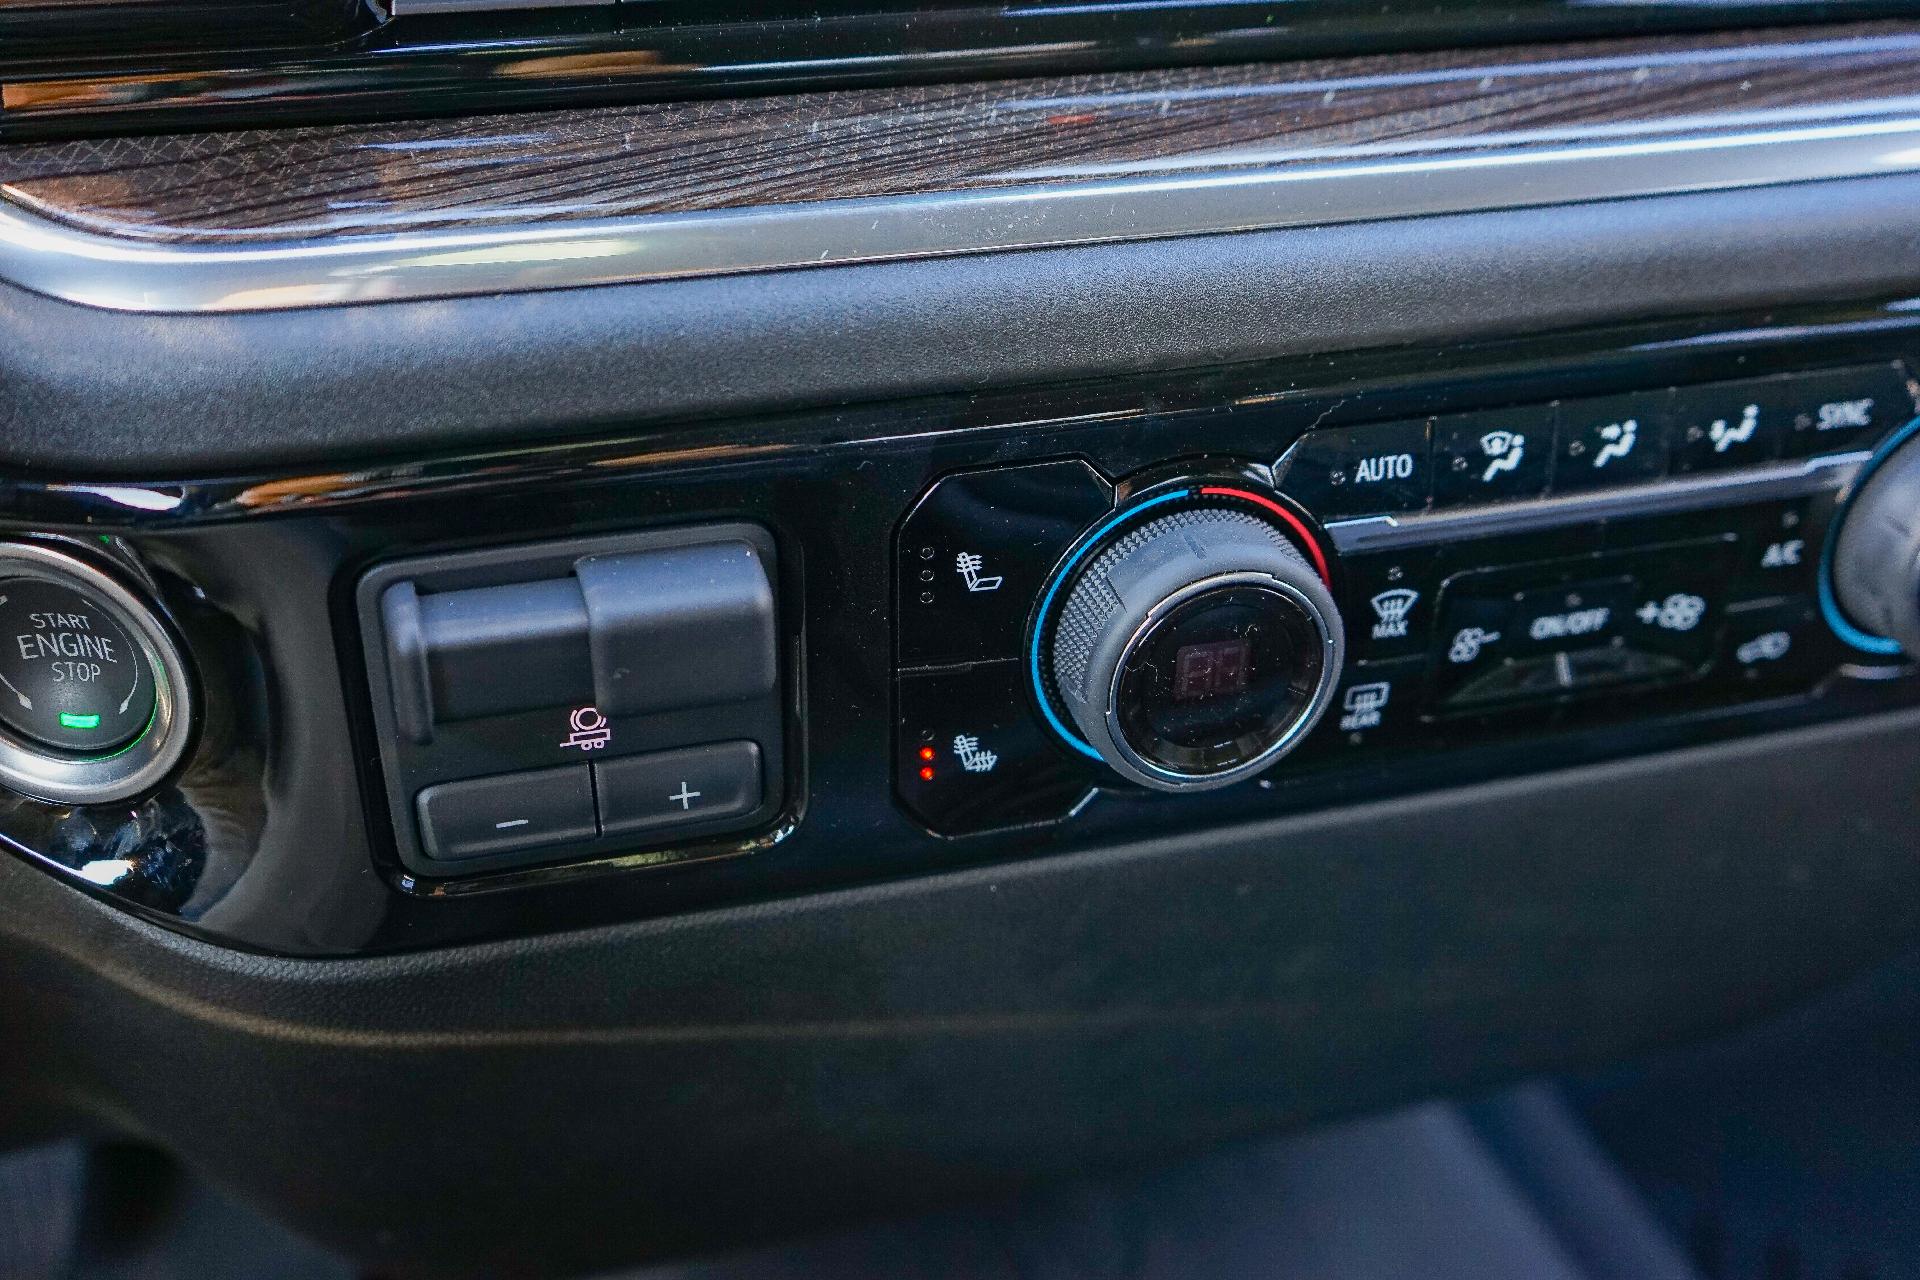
(72,675)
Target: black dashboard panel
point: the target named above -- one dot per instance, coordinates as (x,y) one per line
(339,390)
(260,577)
(694,1084)
(644,762)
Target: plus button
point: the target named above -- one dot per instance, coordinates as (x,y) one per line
(685,796)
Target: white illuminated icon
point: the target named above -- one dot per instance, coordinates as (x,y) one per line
(1678,612)
(1786,554)
(1468,642)
(1619,439)
(1846,413)
(1770,647)
(1363,705)
(1504,449)
(1725,437)
(1391,608)
(968,566)
(590,729)
(1571,624)
(973,757)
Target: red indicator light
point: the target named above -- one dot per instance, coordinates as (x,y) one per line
(926,773)
(926,753)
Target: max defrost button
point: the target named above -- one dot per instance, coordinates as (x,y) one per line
(678,788)
(488,816)
(70,675)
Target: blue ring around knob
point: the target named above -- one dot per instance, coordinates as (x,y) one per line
(1829,602)
(1046,602)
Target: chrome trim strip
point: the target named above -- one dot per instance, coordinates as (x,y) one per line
(1667,497)
(126,274)
(34,770)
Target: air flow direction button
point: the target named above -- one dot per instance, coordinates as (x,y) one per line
(1612,441)
(1485,457)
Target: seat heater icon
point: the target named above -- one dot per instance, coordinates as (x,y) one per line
(973,757)
(968,566)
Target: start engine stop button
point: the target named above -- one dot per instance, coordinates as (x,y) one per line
(71,675)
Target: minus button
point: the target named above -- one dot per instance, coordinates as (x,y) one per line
(490,817)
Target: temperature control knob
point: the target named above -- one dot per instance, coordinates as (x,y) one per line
(1196,649)
(1875,578)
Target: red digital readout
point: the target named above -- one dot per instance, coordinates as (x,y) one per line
(1210,670)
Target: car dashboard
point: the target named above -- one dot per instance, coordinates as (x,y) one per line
(636,629)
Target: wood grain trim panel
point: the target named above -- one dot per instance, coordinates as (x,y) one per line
(560,167)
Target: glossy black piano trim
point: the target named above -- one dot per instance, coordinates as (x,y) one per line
(271,839)
(356,66)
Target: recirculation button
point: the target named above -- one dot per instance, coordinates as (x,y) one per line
(73,677)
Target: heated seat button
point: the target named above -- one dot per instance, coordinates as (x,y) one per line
(70,674)
(970,754)
(665,789)
(1617,440)
(975,552)
(1835,410)
(1359,471)
(486,817)
(1485,457)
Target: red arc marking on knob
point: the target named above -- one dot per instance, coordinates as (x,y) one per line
(1293,522)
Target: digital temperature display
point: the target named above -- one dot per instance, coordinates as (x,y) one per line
(1211,670)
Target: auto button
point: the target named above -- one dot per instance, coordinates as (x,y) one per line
(1360,471)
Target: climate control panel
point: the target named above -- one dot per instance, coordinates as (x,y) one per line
(613,678)
(1422,583)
